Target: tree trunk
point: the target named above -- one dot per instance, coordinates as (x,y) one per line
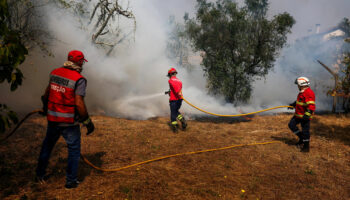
(335,75)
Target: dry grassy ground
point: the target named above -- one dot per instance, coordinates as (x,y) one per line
(273,171)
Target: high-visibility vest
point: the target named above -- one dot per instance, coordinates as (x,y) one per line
(305,100)
(61,102)
(175,88)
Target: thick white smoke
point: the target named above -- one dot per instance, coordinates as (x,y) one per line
(294,61)
(131,81)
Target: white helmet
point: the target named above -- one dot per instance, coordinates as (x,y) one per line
(302,81)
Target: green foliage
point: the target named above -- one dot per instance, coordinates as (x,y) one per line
(309,171)
(345,79)
(238,44)
(12,54)
(177,45)
(12,51)
(345,26)
(7,117)
(26,18)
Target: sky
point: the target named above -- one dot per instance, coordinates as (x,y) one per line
(307,13)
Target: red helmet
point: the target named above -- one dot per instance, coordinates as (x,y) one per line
(171,71)
(76,56)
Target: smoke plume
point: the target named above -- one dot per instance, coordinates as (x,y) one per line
(131,81)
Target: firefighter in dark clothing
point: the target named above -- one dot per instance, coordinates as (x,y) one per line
(304,109)
(175,100)
(65,108)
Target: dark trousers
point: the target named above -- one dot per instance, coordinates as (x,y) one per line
(174,109)
(72,136)
(304,134)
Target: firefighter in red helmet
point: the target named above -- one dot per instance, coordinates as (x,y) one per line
(175,100)
(65,108)
(304,109)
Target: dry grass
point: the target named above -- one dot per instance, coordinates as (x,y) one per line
(274,171)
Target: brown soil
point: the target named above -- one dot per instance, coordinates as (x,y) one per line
(273,171)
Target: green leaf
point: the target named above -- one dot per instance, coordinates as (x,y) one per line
(13,77)
(13,116)
(5,121)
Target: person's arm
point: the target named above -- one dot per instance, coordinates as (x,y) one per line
(310,108)
(170,88)
(46,94)
(180,94)
(310,101)
(177,88)
(44,100)
(293,105)
(81,107)
(83,114)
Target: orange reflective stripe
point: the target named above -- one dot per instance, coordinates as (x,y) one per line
(302,79)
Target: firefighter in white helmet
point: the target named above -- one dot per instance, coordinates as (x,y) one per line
(304,110)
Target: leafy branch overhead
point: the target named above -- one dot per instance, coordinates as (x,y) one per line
(12,50)
(7,117)
(104,16)
(12,54)
(108,11)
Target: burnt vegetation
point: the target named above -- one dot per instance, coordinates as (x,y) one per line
(274,171)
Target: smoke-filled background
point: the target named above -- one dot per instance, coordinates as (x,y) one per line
(131,81)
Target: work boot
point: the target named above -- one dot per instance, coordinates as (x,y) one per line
(70,185)
(306,147)
(183,121)
(183,124)
(300,143)
(174,126)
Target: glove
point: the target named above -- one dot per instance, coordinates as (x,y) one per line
(167,92)
(44,101)
(293,105)
(89,126)
(307,115)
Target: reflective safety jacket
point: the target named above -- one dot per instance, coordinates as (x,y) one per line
(305,100)
(61,102)
(175,88)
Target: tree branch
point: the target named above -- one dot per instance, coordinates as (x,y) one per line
(103,4)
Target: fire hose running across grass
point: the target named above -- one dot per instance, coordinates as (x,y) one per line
(237,115)
(163,157)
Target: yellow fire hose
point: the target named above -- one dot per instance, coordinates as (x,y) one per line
(173,155)
(19,124)
(237,115)
(167,156)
